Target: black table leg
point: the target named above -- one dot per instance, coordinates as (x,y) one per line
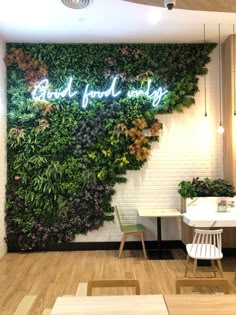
(159,253)
(158,233)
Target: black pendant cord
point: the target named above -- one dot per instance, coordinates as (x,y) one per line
(205,75)
(234,70)
(220,78)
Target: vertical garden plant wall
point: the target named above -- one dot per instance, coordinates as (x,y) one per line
(76,116)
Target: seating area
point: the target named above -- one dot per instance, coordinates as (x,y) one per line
(133,274)
(148,304)
(91,282)
(70,272)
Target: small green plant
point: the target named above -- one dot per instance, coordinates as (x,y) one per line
(206,188)
(186,189)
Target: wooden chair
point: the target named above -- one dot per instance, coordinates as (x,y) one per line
(206,245)
(113,284)
(209,282)
(130,229)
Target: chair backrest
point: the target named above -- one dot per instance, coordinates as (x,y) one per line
(209,282)
(118,217)
(207,243)
(113,284)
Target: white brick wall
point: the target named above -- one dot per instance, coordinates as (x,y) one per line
(2,146)
(189,146)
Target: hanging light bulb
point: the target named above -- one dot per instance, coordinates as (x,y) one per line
(220,129)
(204,32)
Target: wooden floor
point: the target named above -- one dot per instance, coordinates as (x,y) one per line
(37,279)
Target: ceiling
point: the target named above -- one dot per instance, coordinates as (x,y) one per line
(108,21)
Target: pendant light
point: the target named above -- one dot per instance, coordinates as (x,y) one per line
(220,129)
(204,32)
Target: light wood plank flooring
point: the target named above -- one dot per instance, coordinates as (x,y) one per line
(47,275)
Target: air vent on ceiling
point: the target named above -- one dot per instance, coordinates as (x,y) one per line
(76,4)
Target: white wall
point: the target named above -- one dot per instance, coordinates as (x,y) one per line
(189,146)
(3,165)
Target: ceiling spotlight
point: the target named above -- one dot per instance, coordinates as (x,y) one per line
(77,4)
(170,4)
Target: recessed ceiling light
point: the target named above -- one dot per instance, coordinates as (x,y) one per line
(77,4)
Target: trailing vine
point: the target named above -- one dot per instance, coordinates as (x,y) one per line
(66,154)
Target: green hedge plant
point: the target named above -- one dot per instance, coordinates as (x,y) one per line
(206,188)
(63,159)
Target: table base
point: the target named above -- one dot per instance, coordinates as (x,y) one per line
(161,254)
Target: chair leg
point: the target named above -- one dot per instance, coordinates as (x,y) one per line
(187,265)
(122,244)
(194,267)
(213,267)
(143,244)
(220,268)
(177,287)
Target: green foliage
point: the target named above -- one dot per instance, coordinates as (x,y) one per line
(206,188)
(63,160)
(187,189)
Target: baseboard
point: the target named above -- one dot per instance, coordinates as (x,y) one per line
(101,246)
(227,252)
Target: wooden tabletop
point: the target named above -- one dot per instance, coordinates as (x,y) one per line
(183,304)
(110,305)
(158,212)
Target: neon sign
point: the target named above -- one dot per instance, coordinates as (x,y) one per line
(42,92)
(155,95)
(100,94)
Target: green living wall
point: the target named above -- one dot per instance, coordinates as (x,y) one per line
(76,115)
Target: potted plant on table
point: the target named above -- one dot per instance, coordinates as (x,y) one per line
(190,191)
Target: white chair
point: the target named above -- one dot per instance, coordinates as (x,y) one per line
(206,245)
